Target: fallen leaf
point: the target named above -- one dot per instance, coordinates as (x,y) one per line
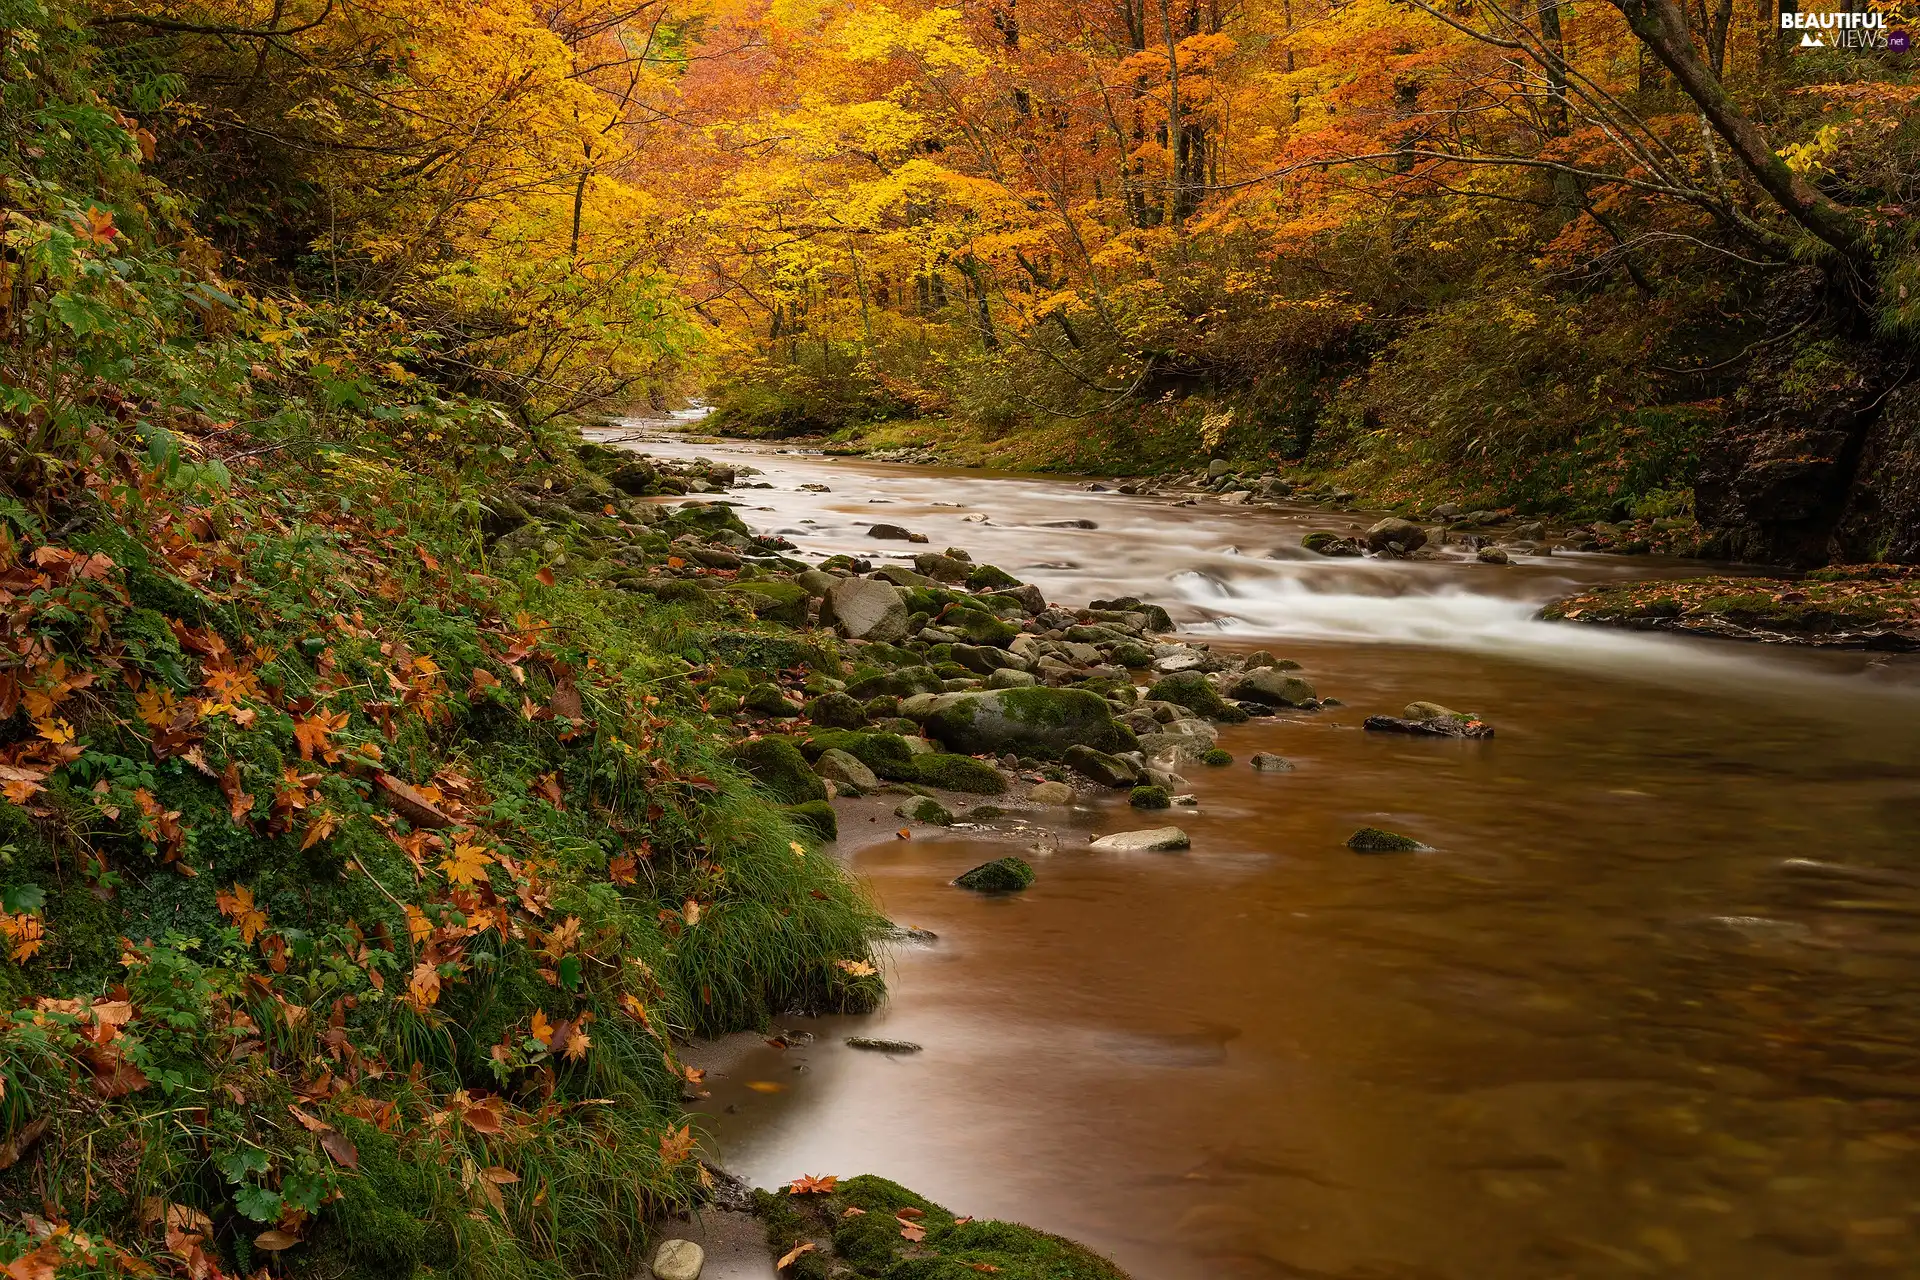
(766,1086)
(341,1148)
(912,1231)
(910,1212)
(813,1184)
(546,577)
(273,1241)
(903,834)
(800,1250)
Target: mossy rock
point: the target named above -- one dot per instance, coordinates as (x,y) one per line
(767,700)
(988,577)
(1002,875)
(980,627)
(1037,722)
(903,683)
(777,765)
(868,1244)
(1149,798)
(782,602)
(887,754)
(837,711)
(1131,654)
(958,773)
(766,651)
(817,817)
(924,809)
(1218,757)
(1374,840)
(1196,693)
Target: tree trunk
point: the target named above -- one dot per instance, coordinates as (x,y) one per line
(1662,27)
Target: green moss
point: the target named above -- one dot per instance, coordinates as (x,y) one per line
(887,754)
(767,700)
(869,1243)
(1149,798)
(775,601)
(991,578)
(840,711)
(958,773)
(1037,722)
(1002,875)
(1216,757)
(818,817)
(777,765)
(1196,693)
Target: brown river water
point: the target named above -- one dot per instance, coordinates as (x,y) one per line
(1605,1028)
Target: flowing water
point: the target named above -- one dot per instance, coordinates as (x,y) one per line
(1608,1027)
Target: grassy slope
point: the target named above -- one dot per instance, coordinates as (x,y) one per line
(241,967)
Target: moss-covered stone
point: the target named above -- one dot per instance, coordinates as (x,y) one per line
(767,700)
(1149,798)
(837,711)
(1002,875)
(988,577)
(1035,722)
(980,627)
(869,1243)
(777,765)
(816,816)
(1196,693)
(782,602)
(958,773)
(1374,840)
(924,809)
(1218,757)
(887,754)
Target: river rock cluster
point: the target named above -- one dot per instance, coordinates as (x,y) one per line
(926,672)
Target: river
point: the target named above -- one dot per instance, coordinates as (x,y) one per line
(1606,1028)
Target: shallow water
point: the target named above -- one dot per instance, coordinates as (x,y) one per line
(1603,1029)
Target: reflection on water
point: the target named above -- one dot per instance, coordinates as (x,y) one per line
(1637,1014)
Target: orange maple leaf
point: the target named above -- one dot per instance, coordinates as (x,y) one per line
(238,906)
(314,735)
(466,862)
(813,1184)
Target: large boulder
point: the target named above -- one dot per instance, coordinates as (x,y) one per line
(1029,722)
(1273,688)
(865,609)
(1394,533)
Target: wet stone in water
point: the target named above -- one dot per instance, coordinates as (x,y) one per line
(1374,840)
(876,1045)
(1002,875)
